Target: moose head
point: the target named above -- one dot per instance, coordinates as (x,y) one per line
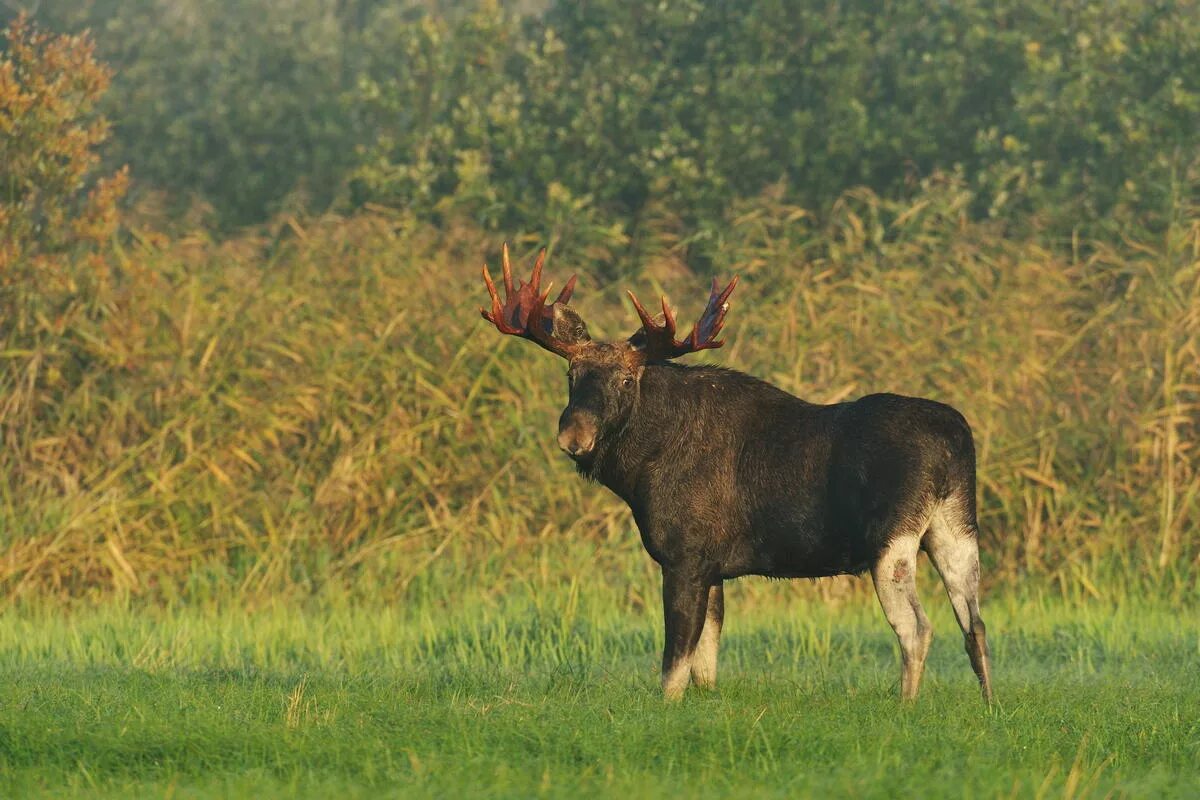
(603,378)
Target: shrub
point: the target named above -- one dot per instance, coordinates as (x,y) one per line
(611,121)
(232,106)
(1077,113)
(56,215)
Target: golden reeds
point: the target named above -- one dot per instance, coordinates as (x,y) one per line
(324,404)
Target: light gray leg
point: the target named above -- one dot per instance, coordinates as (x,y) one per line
(704,660)
(953,547)
(896,586)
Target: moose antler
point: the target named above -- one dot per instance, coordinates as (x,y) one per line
(524,310)
(658,341)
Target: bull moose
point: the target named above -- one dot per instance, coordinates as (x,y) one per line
(728,475)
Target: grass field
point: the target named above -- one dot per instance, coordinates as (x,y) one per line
(550,689)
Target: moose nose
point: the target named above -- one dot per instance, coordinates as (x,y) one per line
(576,440)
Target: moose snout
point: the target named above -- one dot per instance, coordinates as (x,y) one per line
(576,435)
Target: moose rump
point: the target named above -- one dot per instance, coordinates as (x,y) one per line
(885,463)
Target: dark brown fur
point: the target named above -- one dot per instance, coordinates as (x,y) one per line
(727,475)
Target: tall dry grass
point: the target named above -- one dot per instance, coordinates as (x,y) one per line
(320,405)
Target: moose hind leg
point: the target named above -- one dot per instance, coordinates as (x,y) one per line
(953,546)
(685,605)
(895,577)
(704,660)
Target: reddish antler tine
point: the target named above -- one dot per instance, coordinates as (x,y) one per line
(491,287)
(723,303)
(564,296)
(705,331)
(668,317)
(720,320)
(728,289)
(507,267)
(533,321)
(647,323)
(537,330)
(536,279)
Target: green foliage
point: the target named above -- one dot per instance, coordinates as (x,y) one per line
(236,105)
(441,94)
(1103,114)
(1073,111)
(603,123)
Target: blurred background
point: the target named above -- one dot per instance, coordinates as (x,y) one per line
(239,347)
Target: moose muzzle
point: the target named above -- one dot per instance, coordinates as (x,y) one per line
(577,433)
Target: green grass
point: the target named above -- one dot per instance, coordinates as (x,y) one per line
(551,689)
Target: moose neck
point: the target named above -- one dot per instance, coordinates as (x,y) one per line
(661,427)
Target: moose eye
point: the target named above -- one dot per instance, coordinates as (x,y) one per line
(627,381)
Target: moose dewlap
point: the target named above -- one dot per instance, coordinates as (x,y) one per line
(728,475)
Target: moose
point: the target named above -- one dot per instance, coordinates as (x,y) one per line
(727,475)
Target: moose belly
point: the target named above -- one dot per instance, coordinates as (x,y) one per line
(789,547)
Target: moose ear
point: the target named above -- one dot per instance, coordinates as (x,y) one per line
(565,325)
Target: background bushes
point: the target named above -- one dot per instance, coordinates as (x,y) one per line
(991,205)
(600,115)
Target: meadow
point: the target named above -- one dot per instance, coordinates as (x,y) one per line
(549,689)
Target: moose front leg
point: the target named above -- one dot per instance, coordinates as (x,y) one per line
(704,660)
(685,604)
